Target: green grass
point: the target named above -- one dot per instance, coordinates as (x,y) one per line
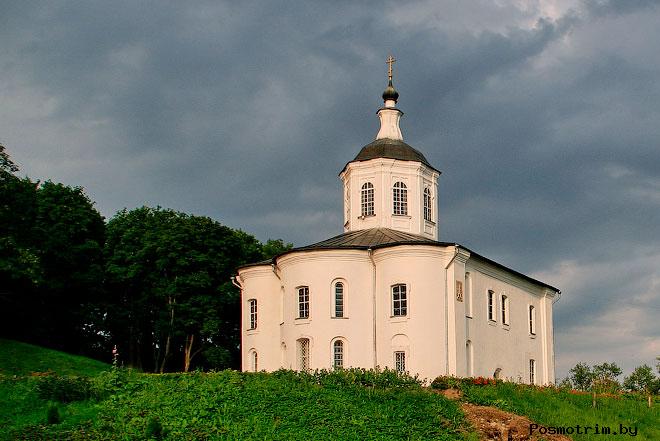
(284,405)
(23,359)
(553,407)
(223,405)
(20,406)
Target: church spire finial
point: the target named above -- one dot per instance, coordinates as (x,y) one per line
(389,115)
(390,61)
(390,96)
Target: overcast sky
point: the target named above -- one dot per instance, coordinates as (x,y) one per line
(544,117)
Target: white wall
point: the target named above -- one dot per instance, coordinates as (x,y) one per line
(383,173)
(507,347)
(423,334)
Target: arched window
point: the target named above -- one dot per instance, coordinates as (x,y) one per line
(252,303)
(303,354)
(400,198)
(367,199)
(339,299)
(338,354)
(399,301)
(255,361)
(532,320)
(428,212)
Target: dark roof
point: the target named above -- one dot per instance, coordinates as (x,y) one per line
(370,238)
(392,149)
(375,238)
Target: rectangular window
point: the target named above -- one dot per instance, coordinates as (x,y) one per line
(303,302)
(468,295)
(532,371)
(491,305)
(532,320)
(400,361)
(303,354)
(399,301)
(505,310)
(253,313)
(339,299)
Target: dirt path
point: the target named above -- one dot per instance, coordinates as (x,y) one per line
(494,424)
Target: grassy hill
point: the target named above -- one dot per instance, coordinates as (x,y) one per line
(351,404)
(18,358)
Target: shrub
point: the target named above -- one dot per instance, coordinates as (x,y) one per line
(376,378)
(53,414)
(108,382)
(482,381)
(443,382)
(154,429)
(64,389)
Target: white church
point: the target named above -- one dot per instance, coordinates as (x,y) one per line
(388,293)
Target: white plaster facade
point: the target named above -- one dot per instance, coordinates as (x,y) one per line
(447,325)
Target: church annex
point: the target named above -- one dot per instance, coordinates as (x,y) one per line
(388,293)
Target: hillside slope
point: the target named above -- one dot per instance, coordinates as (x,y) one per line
(18,358)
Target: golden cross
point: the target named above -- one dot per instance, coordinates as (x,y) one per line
(390,60)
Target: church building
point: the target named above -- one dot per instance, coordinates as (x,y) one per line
(388,293)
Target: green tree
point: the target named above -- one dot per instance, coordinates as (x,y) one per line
(20,269)
(170,297)
(6,164)
(274,247)
(69,236)
(581,376)
(51,239)
(605,377)
(641,380)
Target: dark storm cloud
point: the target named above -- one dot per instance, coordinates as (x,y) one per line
(542,116)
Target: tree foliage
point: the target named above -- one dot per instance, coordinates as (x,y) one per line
(274,247)
(51,240)
(158,286)
(171,299)
(581,376)
(642,379)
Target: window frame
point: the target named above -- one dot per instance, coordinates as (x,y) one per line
(254,359)
(339,299)
(467,292)
(338,356)
(400,199)
(400,304)
(253,314)
(367,200)
(491,306)
(303,302)
(303,348)
(428,206)
(400,361)
(505,310)
(532,371)
(532,319)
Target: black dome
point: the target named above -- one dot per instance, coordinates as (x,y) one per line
(390,93)
(391,149)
